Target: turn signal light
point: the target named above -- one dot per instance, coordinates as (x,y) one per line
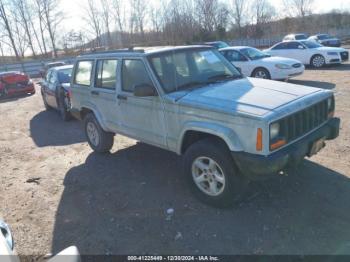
(259,142)
(277,144)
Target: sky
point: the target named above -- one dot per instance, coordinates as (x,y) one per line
(74,12)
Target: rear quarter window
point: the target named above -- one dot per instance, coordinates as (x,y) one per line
(83,73)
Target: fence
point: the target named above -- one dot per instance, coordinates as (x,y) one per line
(32,68)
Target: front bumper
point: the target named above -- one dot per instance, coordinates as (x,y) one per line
(282,74)
(261,167)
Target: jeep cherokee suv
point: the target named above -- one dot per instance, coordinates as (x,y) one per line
(192,101)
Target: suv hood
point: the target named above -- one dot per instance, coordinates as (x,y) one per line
(248,95)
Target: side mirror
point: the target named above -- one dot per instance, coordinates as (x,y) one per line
(144,90)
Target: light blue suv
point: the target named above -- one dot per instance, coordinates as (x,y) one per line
(192,101)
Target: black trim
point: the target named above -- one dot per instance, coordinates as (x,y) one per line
(261,167)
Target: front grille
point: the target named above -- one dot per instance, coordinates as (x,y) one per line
(344,55)
(300,123)
(297,65)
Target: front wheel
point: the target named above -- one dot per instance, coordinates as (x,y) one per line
(98,139)
(261,73)
(318,61)
(213,175)
(47,107)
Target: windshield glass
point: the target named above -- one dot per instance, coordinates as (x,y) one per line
(64,75)
(323,37)
(194,68)
(300,37)
(253,53)
(310,44)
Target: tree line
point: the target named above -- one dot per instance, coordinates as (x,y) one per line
(33,26)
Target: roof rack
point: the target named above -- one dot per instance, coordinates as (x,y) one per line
(124,50)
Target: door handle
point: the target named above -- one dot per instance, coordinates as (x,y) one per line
(96,93)
(122,97)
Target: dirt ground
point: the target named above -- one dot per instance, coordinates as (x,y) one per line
(117,203)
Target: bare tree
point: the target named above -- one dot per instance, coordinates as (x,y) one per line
(263,13)
(39,11)
(21,8)
(94,20)
(4,18)
(239,9)
(139,10)
(52,16)
(300,8)
(106,17)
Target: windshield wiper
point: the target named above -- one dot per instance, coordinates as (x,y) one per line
(190,85)
(221,77)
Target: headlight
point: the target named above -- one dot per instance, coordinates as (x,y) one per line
(5,231)
(332,53)
(30,82)
(274,130)
(283,66)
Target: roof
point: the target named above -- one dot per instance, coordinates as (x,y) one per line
(235,48)
(139,51)
(9,73)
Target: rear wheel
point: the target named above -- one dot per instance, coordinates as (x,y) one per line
(213,176)
(98,139)
(261,73)
(318,61)
(64,105)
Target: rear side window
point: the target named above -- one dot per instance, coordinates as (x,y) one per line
(83,73)
(106,74)
(134,73)
(280,46)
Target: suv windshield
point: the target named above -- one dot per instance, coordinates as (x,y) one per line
(193,68)
(64,75)
(310,44)
(253,54)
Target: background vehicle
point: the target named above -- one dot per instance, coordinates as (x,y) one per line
(15,83)
(253,62)
(309,53)
(7,253)
(326,40)
(192,101)
(55,90)
(50,65)
(217,44)
(295,37)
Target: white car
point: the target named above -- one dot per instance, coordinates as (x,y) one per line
(252,62)
(309,53)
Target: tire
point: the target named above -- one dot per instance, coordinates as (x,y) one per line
(99,140)
(318,61)
(63,106)
(227,183)
(47,107)
(261,73)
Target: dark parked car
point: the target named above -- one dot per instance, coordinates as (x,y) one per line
(326,40)
(50,65)
(13,83)
(55,90)
(217,44)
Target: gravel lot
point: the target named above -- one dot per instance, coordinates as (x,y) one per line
(117,203)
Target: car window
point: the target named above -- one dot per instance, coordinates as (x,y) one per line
(300,37)
(48,74)
(64,75)
(53,78)
(234,56)
(280,46)
(293,45)
(83,73)
(106,74)
(134,73)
